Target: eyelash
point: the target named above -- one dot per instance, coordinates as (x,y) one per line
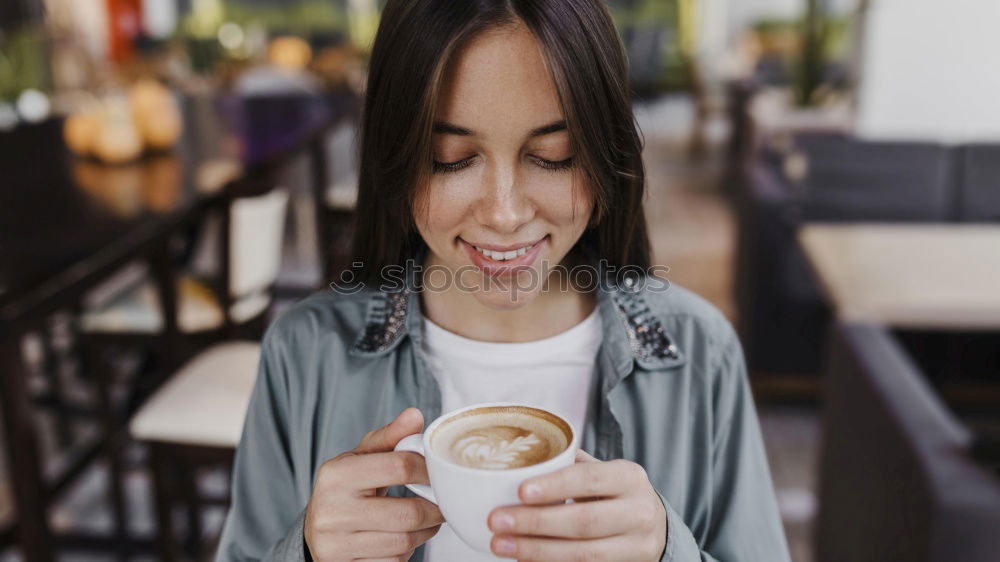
(449,167)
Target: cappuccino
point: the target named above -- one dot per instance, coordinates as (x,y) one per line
(501,437)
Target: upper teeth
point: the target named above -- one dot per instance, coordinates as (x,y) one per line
(509,255)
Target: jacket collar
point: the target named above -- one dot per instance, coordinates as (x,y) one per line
(634,334)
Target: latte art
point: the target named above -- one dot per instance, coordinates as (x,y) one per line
(502,437)
(500,447)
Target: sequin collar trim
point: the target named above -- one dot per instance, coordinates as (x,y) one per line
(385,324)
(647,339)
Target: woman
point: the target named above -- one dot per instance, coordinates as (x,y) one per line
(502,255)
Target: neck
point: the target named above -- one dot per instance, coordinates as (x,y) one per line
(547,314)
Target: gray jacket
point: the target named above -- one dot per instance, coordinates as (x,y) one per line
(671,394)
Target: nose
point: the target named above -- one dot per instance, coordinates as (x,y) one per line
(505,204)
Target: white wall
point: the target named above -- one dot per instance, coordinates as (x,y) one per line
(931,70)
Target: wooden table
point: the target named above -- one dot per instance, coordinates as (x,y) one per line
(67,223)
(916,276)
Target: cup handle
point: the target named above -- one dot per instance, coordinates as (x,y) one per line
(415,444)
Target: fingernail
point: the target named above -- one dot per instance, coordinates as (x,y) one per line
(504,546)
(532,491)
(503,522)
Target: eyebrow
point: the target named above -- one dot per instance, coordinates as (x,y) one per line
(450,129)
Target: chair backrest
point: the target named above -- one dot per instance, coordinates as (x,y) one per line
(896,478)
(256,233)
(342,193)
(979,199)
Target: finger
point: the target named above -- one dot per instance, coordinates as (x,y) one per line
(385,438)
(398,514)
(378,544)
(582,480)
(589,520)
(376,470)
(584,456)
(534,549)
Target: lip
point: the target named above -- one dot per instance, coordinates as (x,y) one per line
(505,248)
(495,268)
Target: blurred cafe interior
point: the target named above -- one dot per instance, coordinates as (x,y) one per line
(175,173)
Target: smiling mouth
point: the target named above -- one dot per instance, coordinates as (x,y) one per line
(504,255)
(503,260)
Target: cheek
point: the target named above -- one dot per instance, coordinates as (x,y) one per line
(566,203)
(441,206)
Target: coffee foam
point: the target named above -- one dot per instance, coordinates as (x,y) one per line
(501,437)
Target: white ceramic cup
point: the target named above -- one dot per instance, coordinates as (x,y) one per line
(465,495)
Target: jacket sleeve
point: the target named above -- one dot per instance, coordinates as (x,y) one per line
(265,520)
(745,523)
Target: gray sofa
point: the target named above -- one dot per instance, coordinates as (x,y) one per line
(782,317)
(897,480)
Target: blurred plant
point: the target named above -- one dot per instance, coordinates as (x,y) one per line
(658,35)
(811,61)
(363,16)
(205,18)
(780,37)
(297,17)
(23,61)
(806,46)
(224,36)
(200,28)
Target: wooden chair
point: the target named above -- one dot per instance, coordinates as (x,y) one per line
(201,312)
(193,421)
(251,249)
(335,194)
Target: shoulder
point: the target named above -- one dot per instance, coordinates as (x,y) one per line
(325,317)
(306,349)
(687,311)
(704,335)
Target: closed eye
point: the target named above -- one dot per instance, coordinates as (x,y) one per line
(555,166)
(447,167)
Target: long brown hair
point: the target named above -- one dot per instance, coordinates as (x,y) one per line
(415,41)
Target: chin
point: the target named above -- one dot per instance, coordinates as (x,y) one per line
(504,299)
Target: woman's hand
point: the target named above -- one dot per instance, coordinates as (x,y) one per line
(617,515)
(349,515)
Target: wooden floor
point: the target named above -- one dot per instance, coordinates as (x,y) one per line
(693,233)
(692,230)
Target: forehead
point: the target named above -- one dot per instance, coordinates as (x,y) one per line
(499,83)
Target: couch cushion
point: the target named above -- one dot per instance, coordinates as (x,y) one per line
(979,192)
(851,180)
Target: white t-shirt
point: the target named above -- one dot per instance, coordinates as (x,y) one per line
(554,373)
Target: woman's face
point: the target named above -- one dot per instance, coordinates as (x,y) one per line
(506,201)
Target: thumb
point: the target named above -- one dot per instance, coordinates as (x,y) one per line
(385,438)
